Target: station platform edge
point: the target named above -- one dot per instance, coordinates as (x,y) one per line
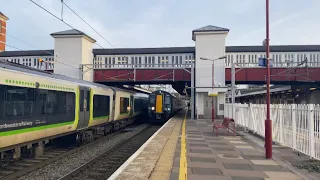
(187,149)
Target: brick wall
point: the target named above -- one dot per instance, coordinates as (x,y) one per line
(2,37)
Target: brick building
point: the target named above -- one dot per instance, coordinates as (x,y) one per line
(3,24)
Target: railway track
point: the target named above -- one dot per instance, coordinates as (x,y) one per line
(26,165)
(106,164)
(51,155)
(56,163)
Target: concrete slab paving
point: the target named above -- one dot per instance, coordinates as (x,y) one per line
(264,162)
(227,157)
(238,142)
(281,175)
(244,147)
(208,156)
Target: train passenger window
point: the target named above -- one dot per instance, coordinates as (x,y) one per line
(19,101)
(124,104)
(2,88)
(35,107)
(101,106)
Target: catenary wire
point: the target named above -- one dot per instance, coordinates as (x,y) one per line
(87,24)
(49,53)
(60,20)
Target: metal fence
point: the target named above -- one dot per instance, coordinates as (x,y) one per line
(293,125)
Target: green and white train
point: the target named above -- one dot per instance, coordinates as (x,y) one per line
(36,107)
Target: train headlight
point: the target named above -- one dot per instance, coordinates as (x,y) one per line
(152,108)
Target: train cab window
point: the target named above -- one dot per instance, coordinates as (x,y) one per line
(101,106)
(152,99)
(167,100)
(124,104)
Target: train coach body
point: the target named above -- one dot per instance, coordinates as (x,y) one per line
(37,106)
(101,106)
(163,105)
(28,113)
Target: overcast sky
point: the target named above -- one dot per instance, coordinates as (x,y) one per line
(163,23)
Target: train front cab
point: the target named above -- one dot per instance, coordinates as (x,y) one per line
(159,106)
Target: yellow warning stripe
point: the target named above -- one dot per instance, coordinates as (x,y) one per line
(183,154)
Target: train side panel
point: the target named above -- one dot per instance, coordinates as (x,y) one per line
(34,107)
(101,106)
(122,105)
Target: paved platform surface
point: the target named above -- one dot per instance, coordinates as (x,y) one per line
(154,160)
(224,157)
(188,149)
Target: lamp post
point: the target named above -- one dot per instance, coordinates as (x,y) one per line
(46,63)
(268,122)
(207,59)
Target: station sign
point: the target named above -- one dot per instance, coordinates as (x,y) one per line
(263,62)
(213,92)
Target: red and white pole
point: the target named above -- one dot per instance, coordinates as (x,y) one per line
(268,122)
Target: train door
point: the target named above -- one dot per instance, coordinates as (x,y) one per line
(112,114)
(84,110)
(131,106)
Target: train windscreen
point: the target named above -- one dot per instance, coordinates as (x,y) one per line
(167,100)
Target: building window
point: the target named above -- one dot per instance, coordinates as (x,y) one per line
(153,61)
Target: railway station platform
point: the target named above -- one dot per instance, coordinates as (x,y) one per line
(189,149)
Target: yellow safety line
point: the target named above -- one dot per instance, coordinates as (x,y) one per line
(183,154)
